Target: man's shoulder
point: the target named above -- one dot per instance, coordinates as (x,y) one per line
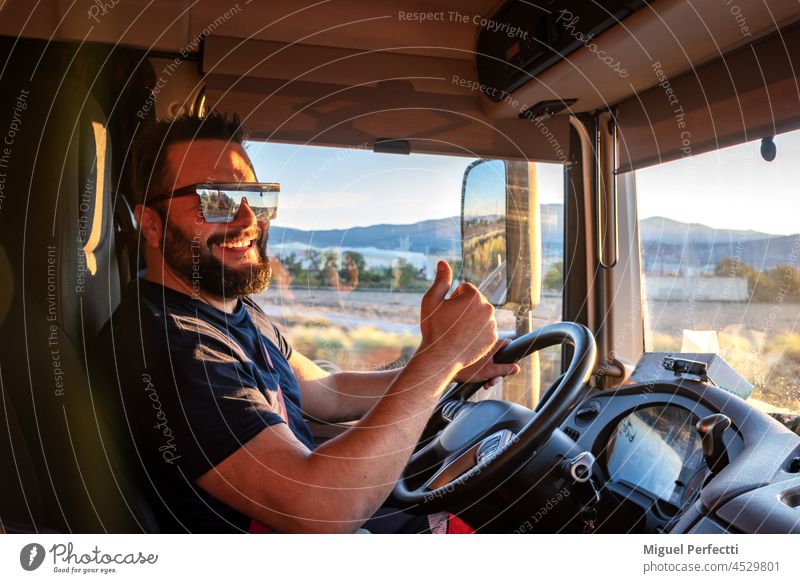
(151,321)
(152,313)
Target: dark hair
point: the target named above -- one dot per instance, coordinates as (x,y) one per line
(152,144)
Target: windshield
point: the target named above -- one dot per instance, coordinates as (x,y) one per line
(355,244)
(720,243)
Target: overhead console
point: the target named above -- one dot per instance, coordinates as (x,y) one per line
(524,39)
(533,57)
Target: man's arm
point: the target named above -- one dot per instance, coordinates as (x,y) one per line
(339,396)
(346,396)
(276,480)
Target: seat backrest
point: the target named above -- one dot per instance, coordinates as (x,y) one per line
(62,272)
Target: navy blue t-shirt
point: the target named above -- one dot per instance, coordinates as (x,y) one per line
(196,384)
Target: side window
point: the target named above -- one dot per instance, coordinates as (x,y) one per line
(355,244)
(720,252)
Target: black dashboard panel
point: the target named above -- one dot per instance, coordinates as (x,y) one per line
(525,38)
(657,450)
(653,466)
(650,464)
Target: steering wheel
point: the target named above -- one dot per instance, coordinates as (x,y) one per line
(470,447)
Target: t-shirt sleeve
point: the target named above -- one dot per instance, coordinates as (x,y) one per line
(217,402)
(281,342)
(270,331)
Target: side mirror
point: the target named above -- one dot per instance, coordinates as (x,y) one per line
(499,212)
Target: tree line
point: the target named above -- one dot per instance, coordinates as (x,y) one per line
(780,284)
(325,269)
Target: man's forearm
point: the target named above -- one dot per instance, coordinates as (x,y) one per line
(375,450)
(355,393)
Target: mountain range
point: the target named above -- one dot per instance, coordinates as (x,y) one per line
(668,245)
(672,246)
(441,236)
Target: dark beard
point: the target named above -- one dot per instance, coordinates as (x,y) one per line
(205,273)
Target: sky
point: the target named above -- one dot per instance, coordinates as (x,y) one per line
(732,188)
(334,188)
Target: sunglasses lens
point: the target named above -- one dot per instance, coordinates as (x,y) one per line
(221,206)
(263,204)
(217,205)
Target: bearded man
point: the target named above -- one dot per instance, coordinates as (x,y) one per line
(213,395)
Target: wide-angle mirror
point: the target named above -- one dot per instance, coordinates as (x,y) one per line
(483,229)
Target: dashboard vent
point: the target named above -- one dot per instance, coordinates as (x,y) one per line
(573,434)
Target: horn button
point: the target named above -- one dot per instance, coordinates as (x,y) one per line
(479,420)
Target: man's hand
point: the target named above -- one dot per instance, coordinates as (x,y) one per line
(486,369)
(460,329)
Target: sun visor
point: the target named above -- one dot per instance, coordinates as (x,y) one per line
(332,115)
(752,93)
(368,102)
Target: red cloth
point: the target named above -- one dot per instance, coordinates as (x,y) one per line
(257,528)
(457,526)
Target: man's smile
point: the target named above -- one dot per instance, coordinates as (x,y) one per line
(237,243)
(241,246)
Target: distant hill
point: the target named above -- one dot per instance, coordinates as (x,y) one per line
(674,246)
(667,245)
(434,236)
(672,231)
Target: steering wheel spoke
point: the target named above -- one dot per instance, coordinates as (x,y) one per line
(453,469)
(479,454)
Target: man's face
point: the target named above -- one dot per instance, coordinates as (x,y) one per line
(227,260)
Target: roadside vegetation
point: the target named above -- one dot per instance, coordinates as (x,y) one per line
(781,284)
(760,338)
(325,269)
(351,348)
